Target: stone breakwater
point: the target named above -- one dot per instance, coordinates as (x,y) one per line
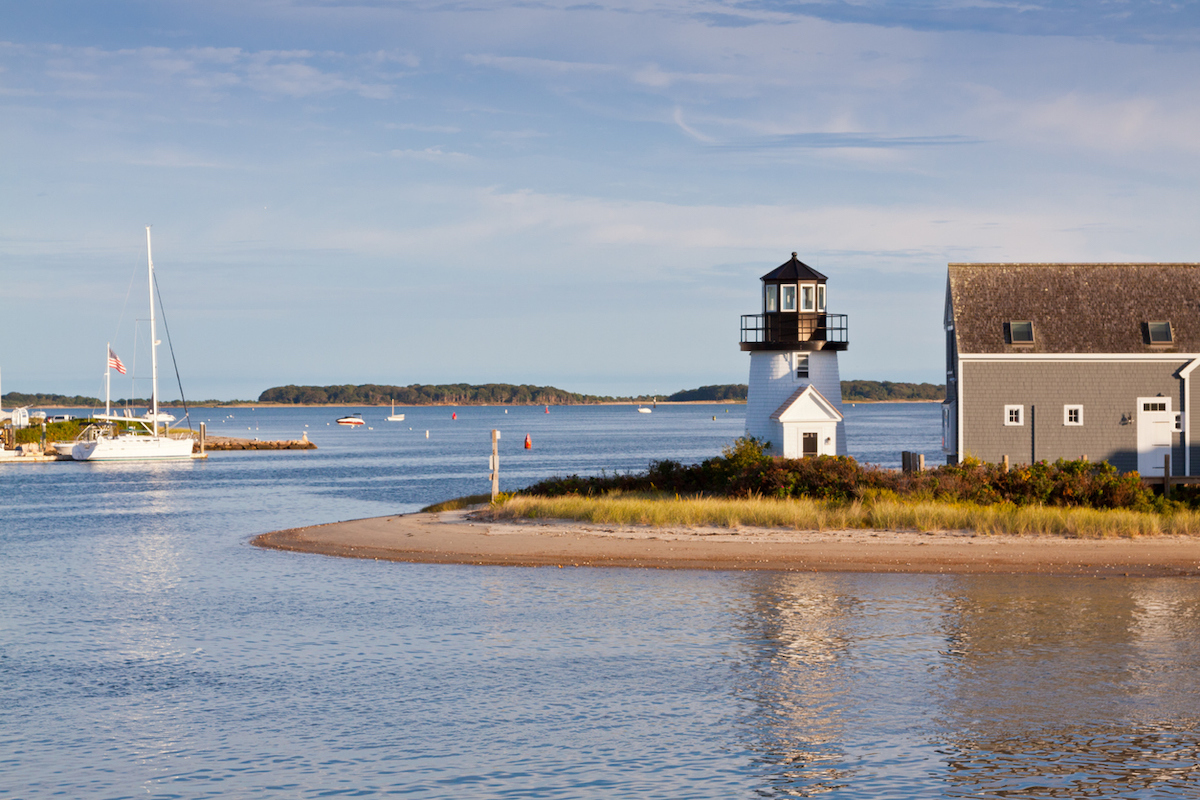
(232,443)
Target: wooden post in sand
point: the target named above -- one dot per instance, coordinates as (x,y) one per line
(202,437)
(1167,475)
(494,463)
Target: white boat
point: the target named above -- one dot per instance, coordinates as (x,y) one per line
(399,417)
(353,420)
(129,438)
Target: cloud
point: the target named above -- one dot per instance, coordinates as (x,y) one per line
(430,154)
(210,71)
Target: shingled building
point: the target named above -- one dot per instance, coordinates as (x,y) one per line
(1048,361)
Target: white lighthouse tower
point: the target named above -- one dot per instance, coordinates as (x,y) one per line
(795,399)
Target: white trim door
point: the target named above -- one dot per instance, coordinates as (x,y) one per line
(1155,428)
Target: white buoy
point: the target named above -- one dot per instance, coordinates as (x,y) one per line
(426,434)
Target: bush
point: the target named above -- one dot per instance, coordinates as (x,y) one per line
(745,469)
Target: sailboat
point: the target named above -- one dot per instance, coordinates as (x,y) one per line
(395,417)
(140,440)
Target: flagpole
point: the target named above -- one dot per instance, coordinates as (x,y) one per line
(108,380)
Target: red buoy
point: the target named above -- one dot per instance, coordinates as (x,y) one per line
(547,409)
(454,415)
(528,442)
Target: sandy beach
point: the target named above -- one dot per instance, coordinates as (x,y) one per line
(461,537)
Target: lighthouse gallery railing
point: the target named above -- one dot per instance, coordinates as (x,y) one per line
(761,328)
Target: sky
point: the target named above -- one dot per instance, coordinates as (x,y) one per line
(577,194)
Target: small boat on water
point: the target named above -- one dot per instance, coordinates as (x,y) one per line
(395,417)
(643,410)
(351,420)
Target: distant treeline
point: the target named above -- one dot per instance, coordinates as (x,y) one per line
(461,394)
(20,399)
(724,393)
(509,394)
(488,394)
(862,391)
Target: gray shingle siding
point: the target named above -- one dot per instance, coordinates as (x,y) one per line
(1107,390)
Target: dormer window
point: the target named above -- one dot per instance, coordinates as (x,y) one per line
(789,298)
(1160,332)
(1021,332)
(772,301)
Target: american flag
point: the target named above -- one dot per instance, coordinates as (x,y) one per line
(114,362)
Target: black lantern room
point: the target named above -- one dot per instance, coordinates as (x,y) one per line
(794,315)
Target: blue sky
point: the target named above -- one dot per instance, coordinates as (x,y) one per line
(577,194)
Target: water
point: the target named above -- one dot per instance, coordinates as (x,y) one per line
(147,650)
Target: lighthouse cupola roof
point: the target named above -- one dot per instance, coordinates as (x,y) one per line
(793,270)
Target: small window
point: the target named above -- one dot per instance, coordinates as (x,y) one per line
(1072,415)
(1014,415)
(1178,421)
(772,301)
(802,365)
(789,297)
(1154,406)
(1160,332)
(1021,331)
(808,297)
(820,297)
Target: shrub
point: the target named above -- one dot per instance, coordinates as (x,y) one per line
(746,470)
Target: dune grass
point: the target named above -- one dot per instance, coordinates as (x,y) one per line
(458,503)
(876,513)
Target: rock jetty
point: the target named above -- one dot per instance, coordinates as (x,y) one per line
(231,443)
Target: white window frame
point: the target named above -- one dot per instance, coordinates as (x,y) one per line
(800,361)
(808,297)
(771,298)
(820,297)
(1067,415)
(1008,418)
(784,305)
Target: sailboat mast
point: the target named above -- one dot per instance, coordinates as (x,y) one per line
(153,340)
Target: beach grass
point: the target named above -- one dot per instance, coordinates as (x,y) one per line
(881,513)
(458,503)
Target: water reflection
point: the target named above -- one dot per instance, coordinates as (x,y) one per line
(1069,688)
(798,680)
(918,686)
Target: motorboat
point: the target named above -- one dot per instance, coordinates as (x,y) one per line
(130,438)
(351,420)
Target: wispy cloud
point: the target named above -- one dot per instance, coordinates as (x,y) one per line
(430,154)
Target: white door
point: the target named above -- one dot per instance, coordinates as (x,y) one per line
(1155,425)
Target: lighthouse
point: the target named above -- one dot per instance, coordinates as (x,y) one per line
(795,397)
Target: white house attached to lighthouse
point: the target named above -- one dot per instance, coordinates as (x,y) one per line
(795,396)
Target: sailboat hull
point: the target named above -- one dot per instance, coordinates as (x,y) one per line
(133,448)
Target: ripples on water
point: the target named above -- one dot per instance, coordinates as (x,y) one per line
(146,650)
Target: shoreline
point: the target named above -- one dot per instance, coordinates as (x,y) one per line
(465,537)
(485,405)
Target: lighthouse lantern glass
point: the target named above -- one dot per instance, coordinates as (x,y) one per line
(771,303)
(820,297)
(807,297)
(789,298)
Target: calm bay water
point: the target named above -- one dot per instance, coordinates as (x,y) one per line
(146,650)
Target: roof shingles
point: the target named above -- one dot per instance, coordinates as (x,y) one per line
(1075,308)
